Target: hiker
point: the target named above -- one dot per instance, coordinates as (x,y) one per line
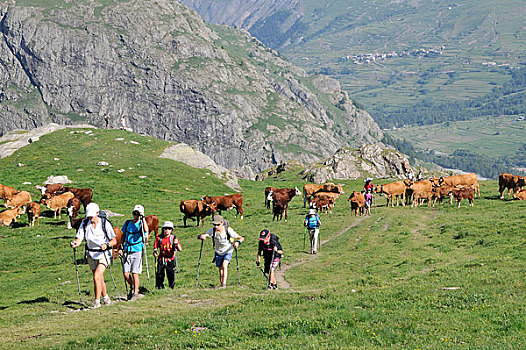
(411,175)
(107,120)
(164,250)
(100,237)
(135,238)
(123,122)
(313,222)
(368,202)
(368,184)
(419,177)
(222,236)
(272,252)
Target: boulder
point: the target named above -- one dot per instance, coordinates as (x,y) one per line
(61,179)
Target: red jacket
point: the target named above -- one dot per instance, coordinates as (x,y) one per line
(167,247)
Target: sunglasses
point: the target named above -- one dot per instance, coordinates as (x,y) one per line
(217,224)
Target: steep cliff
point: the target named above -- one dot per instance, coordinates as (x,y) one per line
(174,77)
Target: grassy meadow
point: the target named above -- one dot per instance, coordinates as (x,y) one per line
(423,278)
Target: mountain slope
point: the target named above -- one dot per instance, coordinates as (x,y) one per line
(389,55)
(174,77)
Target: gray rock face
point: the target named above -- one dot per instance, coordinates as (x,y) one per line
(370,160)
(186,154)
(175,78)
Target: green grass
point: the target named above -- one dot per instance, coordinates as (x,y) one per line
(496,137)
(378,286)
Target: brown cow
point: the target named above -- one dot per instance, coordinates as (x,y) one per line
(52,189)
(392,190)
(227,202)
(57,203)
(319,204)
(21,199)
(291,191)
(442,192)
(327,195)
(73,208)
(195,208)
(8,216)
(152,221)
(510,182)
(330,187)
(466,180)
(85,195)
(357,200)
(423,190)
(310,189)
(7,192)
(280,201)
(463,193)
(33,212)
(519,194)
(419,196)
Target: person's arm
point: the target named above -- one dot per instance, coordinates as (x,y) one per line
(258,258)
(110,244)
(156,246)
(145,230)
(177,245)
(234,235)
(79,237)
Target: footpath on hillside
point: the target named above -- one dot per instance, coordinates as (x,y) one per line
(280,274)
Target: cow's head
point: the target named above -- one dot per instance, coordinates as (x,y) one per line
(408,183)
(352,196)
(340,188)
(206,199)
(440,180)
(210,208)
(297,192)
(45,197)
(434,181)
(521,181)
(270,194)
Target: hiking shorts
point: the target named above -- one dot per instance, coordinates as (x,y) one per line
(221,258)
(132,262)
(93,263)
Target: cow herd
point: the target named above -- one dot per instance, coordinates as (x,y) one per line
(57,197)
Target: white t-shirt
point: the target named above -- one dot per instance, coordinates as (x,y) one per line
(223,245)
(95,236)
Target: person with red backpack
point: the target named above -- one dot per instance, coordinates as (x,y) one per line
(164,250)
(271,248)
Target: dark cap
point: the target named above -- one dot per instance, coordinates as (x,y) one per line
(263,235)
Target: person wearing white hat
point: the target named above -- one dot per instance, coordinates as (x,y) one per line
(135,238)
(313,222)
(99,240)
(164,250)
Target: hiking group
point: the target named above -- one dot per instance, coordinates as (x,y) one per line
(101,238)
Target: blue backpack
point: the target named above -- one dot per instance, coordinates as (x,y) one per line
(312,221)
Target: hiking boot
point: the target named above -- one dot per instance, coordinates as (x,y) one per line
(96,304)
(106,300)
(274,286)
(222,286)
(136,296)
(129,296)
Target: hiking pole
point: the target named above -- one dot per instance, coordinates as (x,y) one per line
(199,264)
(270,270)
(304,233)
(176,262)
(237,263)
(111,274)
(125,282)
(77,270)
(319,240)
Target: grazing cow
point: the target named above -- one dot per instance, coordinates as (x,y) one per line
(419,190)
(419,196)
(280,201)
(327,195)
(227,202)
(267,191)
(466,180)
(393,190)
(33,212)
(519,194)
(73,208)
(357,200)
(195,208)
(21,199)
(319,204)
(510,182)
(442,192)
(57,203)
(310,189)
(463,193)
(152,221)
(85,195)
(330,187)
(8,216)
(7,192)
(52,189)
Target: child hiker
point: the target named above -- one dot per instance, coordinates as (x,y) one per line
(272,252)
(164,250)
(368,202)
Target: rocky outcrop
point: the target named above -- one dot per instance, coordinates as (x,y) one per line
(369,160)
(214,88)
(186,154)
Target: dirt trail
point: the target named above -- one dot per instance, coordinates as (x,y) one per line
(280,274)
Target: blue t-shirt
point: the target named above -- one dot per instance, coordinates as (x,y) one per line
(133,236)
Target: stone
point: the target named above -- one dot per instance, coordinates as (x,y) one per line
(61,179)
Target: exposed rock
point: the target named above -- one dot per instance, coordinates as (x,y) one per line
(14,140)
(370,160)
(61,179)
(175,78)
(183,153)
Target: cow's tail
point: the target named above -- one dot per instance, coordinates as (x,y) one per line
(304,197)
